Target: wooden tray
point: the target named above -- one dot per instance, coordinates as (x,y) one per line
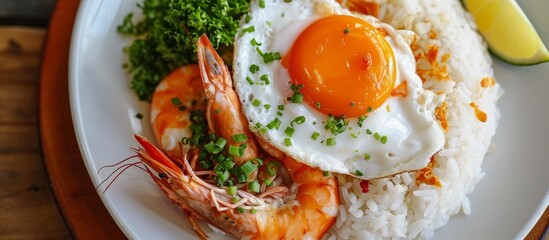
(78,201)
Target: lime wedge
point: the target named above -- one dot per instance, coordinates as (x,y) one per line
(509,33)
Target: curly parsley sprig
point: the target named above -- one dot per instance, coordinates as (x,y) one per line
(166,36)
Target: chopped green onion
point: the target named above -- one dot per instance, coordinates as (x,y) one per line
(185,140)
(205,165)
(317,104)
(235,199)
(377,136)
(274,124)
(253,186)
(236,151)
(288,142)
(368,132)
(256,103)
(231,190)
(267,106)
(272,168)
(258,50)
(265,78)
(359,173)
(242,178)
(262,3)
(254,42)
(383,139)
(279,113)
(367,156)
(222,176)
(221,142)
(336,125)
(249,29)
(268,182)
(248,168)
(210,147)
(240,137)
(346,31)
(269,57)
(250,81)
(315,135)
(253,211)
(297,98)
(370,109)
(176,101)
(361,120)
(247,18)
(325,173)
(288,1)
(254,68)
(241,210)
(182,108)
(258,161)
(289,131)
(299,120)
(281,107)
(331,141)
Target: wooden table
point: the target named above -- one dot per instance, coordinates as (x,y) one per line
(28,209)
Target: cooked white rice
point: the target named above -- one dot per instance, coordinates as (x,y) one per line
(395,207)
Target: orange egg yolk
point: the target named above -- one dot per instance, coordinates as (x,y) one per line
(345,65)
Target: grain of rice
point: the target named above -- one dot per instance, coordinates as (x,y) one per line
(395,207)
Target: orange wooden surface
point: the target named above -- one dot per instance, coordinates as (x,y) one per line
(84,212)
(79,203)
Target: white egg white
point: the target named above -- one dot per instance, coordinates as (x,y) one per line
(408,124)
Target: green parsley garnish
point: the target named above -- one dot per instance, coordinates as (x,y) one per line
(165,37)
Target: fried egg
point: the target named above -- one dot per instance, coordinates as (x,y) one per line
(334,89)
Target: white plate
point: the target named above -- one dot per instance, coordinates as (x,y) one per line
(506,203)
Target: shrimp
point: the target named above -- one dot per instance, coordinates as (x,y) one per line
(303,206)
(308,212)
(174,98)
(223,111)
